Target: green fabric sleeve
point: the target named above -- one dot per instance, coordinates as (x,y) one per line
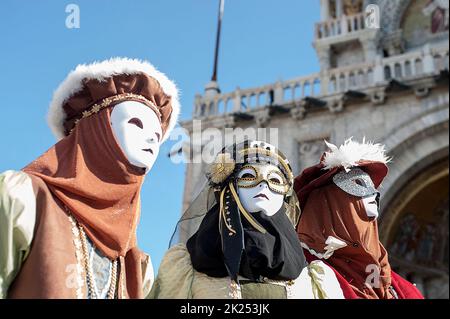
(175,275)
(17,221)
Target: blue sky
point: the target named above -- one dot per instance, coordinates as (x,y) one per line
(262,41)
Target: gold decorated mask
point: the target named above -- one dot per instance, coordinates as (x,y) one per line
(252,175)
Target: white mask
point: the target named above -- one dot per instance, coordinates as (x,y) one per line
(371,206)
(261,198)
(138,131)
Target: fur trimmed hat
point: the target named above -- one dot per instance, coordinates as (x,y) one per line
(368,156)
(92,87)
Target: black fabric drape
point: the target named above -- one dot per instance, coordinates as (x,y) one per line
(276,254)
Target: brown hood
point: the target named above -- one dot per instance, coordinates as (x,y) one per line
(330,211)
(88,172)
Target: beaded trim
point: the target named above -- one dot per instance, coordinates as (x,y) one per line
(281,160)
(224,212)
(81,252)
(94,109)
(79,257)
(89,274)
(111,276)
(251,182)
(235,290)
(290,293)
(122,279)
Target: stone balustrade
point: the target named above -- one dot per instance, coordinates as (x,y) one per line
(350,78)
(428,61)
(416,63)
(339,26)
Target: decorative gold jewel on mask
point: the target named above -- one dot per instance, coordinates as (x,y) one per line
(263,152)
(222,167)
(281,187)
(94,109)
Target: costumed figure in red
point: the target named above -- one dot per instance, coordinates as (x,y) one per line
(339,199)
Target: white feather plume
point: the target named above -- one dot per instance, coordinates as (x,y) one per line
(351,152)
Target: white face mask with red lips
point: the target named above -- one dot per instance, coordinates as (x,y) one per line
(138,132)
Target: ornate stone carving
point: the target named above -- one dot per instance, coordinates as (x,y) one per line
(422,92)
(229,122)
(393,43)
(336,105)
(262,118)
(310,152)
(378,97)
(298,112)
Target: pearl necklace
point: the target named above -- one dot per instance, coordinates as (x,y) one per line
(79,232)
(88,268)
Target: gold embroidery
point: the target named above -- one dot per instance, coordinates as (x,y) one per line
(268,153)
(113,99)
